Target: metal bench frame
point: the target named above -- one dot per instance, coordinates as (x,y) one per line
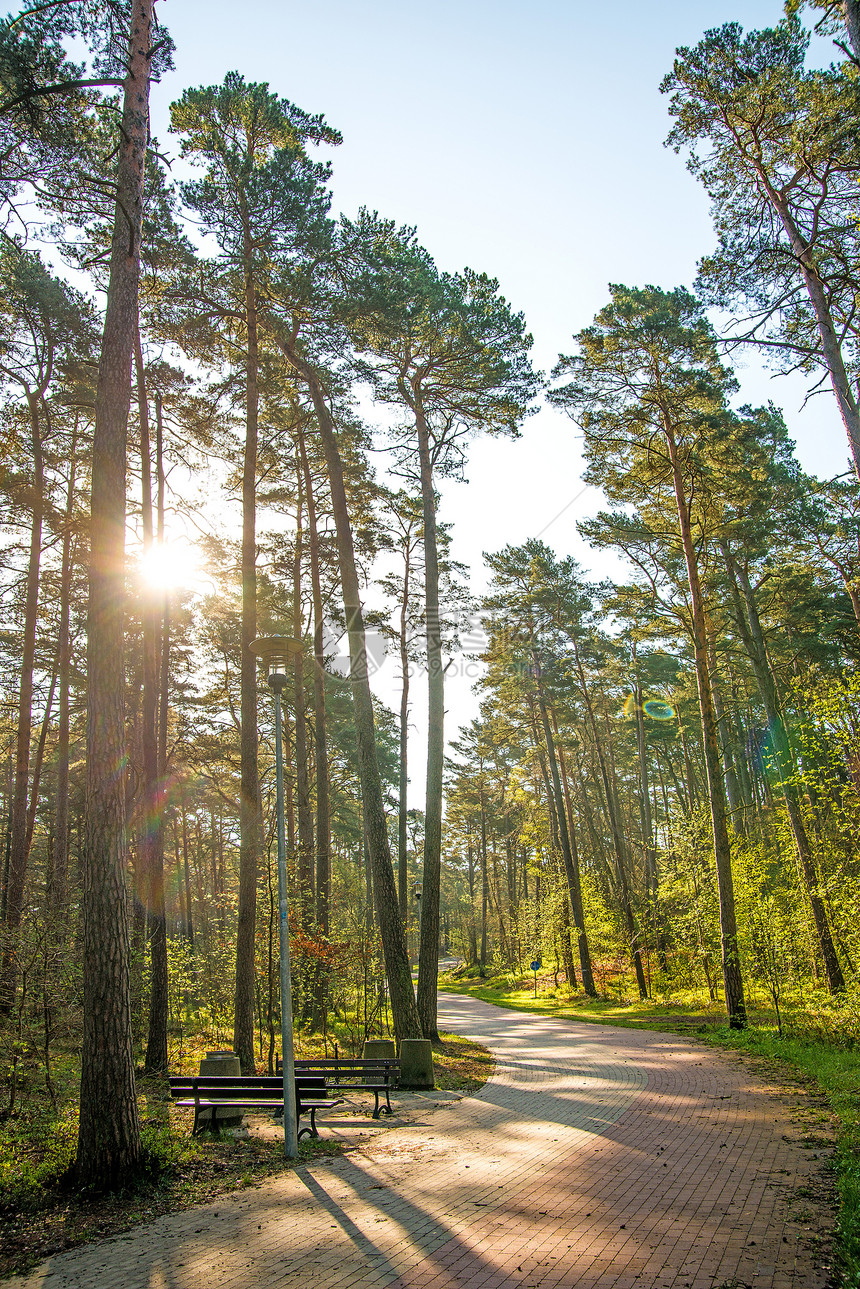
(210,1092)
(356,1074)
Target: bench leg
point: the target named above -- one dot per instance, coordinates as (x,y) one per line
(380,1109)
(200,1124)
(312,1130)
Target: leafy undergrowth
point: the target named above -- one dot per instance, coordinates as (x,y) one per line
(42,1215)
(818,1043)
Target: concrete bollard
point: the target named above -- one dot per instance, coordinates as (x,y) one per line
(416,1064)
(228,1065)
(378,1049)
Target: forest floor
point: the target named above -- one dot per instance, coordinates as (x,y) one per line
(814,1042)
(41,1217)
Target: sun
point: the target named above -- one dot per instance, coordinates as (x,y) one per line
(171,566)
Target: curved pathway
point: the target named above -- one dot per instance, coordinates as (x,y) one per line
(594,1157)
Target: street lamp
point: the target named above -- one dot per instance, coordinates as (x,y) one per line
(276,651)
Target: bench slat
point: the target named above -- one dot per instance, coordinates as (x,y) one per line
(250,1092)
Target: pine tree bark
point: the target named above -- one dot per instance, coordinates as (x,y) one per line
(108,1148)
(428,958)
(403,738)
(323,817)
(470,875)
(60,874)
(733,795)
(150,831)
(612,816)
(250,811)
(485,884)
(851,10)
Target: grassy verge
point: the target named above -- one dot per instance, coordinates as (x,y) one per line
(41,1215)
(833,1068)
(460,1065)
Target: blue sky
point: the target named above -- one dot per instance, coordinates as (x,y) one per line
(525,140)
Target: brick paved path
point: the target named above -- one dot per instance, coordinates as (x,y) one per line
(595,1157)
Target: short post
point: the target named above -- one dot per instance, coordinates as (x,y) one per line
(536,966)
(274,650)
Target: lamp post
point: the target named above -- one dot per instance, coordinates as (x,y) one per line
(416,891)
(275,651)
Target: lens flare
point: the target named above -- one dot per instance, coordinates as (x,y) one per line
(659,710)
(629,705)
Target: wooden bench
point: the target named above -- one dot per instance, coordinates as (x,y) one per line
(343,1074)
(206,1093)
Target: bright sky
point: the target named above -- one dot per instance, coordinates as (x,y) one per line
(525,140)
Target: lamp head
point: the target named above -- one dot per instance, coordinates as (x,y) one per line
(275,653)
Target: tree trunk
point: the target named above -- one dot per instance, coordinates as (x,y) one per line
(733,795)
(851,10)
(732,978)
(38,761)
(303,791)
(472,929)
(151,834)
(403,733)
(566,952)
(649,849)
(428,958)
(403,1008)
(60,875)
(831,347)
(250,812)
(186,876)
(485,885)
(108,1149)
(323,819)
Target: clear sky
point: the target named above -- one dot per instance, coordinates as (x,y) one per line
(524,140)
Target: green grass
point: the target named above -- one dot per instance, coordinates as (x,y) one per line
(809,1046)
